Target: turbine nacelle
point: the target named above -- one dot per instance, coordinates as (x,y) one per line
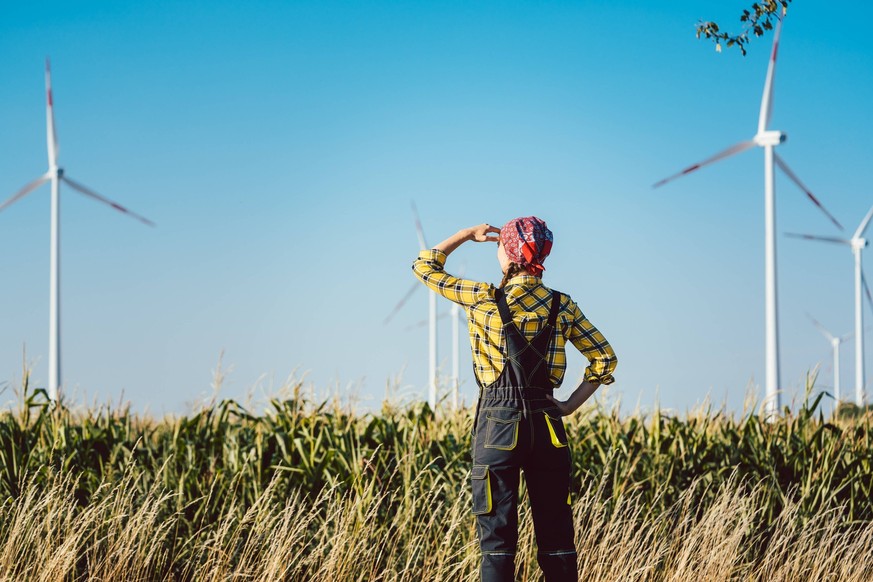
(858,243)
(769,138)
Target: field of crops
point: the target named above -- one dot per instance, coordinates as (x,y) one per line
(306,491)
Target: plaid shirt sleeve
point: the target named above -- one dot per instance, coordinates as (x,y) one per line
(593,345)
(428,267)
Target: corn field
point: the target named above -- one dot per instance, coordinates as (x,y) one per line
(315,491)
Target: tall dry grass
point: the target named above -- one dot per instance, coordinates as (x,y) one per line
(47,535)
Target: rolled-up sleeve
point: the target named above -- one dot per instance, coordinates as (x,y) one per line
(429,268)
(592,345)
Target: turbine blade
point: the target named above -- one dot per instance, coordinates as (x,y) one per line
(402,302)
(767,97)
(864,224)
(820,327)
(419,230)
(26,190)
(51,134)
(424,322)
(793,177)
(733,150)
(831,239)
(87,192)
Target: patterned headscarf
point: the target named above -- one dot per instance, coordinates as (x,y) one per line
(527,241)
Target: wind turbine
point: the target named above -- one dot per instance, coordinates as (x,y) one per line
(56,175)
(432,317)
(456,352)
(432,324)
(455,315)
(456,346)
(835,342)
(857,244)
(766,139)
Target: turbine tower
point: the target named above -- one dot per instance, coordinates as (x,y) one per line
(835,342)
(766,139)
(433,380)
(455,315)
(456,347)
(56,175)
(857,244)
(456,351)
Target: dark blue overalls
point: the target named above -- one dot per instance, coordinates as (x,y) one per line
(516,427)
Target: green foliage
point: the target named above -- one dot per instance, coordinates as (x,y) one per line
(814,462)
(756,20)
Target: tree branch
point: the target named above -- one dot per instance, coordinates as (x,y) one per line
(756,20)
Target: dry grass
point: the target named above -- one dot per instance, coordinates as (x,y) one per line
(46,535)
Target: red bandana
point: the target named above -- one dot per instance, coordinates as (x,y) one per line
(527,241)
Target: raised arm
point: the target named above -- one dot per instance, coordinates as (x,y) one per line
(429,267)
(478,233)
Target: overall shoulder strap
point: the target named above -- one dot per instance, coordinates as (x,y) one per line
(556,307)
(502,306)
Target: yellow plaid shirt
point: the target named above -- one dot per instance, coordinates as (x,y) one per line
(529,301)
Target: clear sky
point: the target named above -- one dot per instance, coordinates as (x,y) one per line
(278,145)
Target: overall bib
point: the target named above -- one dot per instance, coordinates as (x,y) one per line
(516,427)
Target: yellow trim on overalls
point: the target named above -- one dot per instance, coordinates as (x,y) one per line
(552,433)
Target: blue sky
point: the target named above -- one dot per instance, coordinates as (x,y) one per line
(278,145)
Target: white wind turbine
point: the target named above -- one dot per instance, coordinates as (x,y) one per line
(835,342)
(455,315)
(433,380)
(766,139)
(857,244)
(432,317)
(456,353)
(56,175)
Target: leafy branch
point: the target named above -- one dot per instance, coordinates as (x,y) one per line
(756,20)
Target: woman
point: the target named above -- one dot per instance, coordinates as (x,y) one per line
(518,332)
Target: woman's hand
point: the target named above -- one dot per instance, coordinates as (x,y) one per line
(582,393)
(565,408)
(480,233)
(475,233)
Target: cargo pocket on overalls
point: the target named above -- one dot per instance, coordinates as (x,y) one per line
(502,431)
(556,430)
(481,484)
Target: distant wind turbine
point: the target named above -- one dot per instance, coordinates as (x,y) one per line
(433,381)
(56,175)
(432,317)
(857,244)
(835,342)
(766,139)
(455,315)
(456,352)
